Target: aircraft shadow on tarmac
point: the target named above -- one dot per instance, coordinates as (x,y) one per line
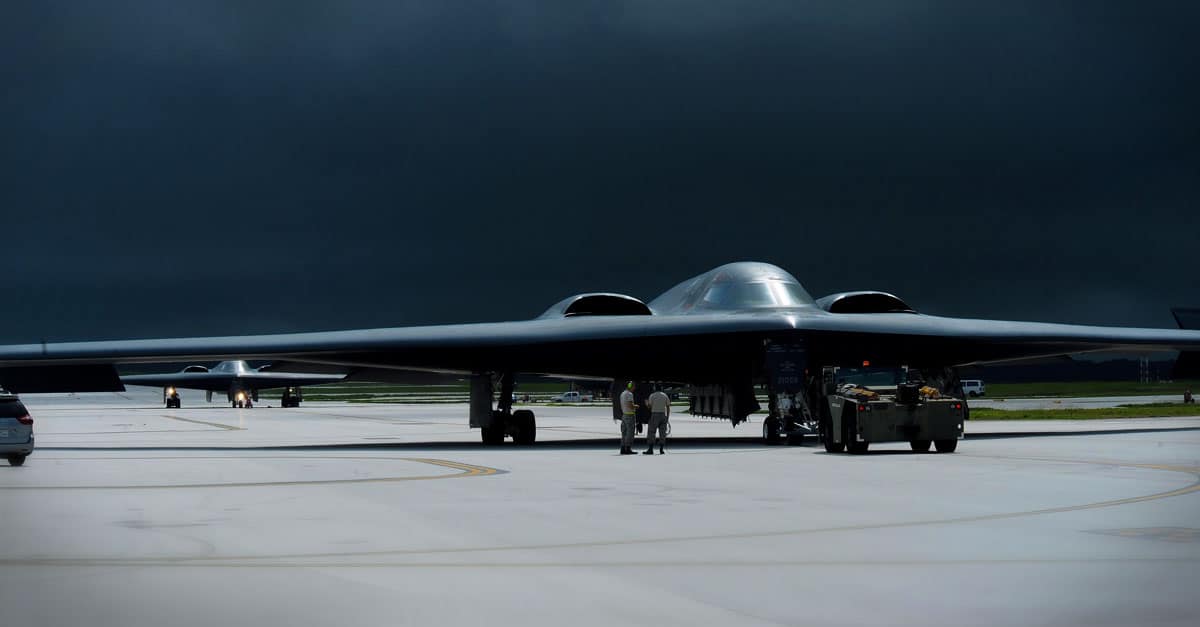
(696,444)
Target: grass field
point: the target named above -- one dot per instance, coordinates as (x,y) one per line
(1088,388)
(1153,410)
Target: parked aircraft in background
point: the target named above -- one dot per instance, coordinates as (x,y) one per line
(236,379)
(725,334)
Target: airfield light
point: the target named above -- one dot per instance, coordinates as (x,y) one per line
(866,363)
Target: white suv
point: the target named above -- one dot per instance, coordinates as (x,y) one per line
(16,429)
(972,387)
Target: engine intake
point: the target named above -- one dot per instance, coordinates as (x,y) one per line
(864,302)
(597,304)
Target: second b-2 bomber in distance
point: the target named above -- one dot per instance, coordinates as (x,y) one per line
(240,383)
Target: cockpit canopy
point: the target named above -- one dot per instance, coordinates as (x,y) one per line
(232,366)
(733,287)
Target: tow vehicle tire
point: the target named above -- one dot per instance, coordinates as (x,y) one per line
(771,431)
(945,446)
(526,426)
(920,446)
(827,437)
(16,459)
(850,425)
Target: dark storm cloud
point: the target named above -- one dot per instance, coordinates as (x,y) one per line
(194,168)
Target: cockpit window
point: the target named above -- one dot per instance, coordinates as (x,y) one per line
(734,286)
(757,294)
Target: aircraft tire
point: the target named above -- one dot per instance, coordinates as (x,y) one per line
(834,447)
(526,426)
(494,435)
(16,459)
(946,446)
(920,446)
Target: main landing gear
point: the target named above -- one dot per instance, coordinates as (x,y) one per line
(171,397)
(497,423)
(242,399)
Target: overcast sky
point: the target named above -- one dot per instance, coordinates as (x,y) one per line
(186,168)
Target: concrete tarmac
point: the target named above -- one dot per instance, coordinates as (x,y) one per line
(361,514)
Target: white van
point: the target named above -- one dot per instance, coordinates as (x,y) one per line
(972,387)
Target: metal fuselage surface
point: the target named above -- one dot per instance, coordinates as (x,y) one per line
(714,328)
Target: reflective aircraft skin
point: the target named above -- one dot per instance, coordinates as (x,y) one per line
(237,379)
(717,330)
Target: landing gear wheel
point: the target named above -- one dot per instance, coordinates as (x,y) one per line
(494,435)
(857,448)
(771,431)
(526,427)
(920,446)
(16,459)
(946,446)
(834,447)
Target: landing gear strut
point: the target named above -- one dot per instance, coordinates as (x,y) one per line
(502,421)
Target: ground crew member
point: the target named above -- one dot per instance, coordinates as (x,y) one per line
(660,412)
(628,419)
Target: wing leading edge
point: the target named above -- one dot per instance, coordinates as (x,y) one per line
(621,345)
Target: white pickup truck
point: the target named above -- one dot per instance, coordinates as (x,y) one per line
(572,397)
